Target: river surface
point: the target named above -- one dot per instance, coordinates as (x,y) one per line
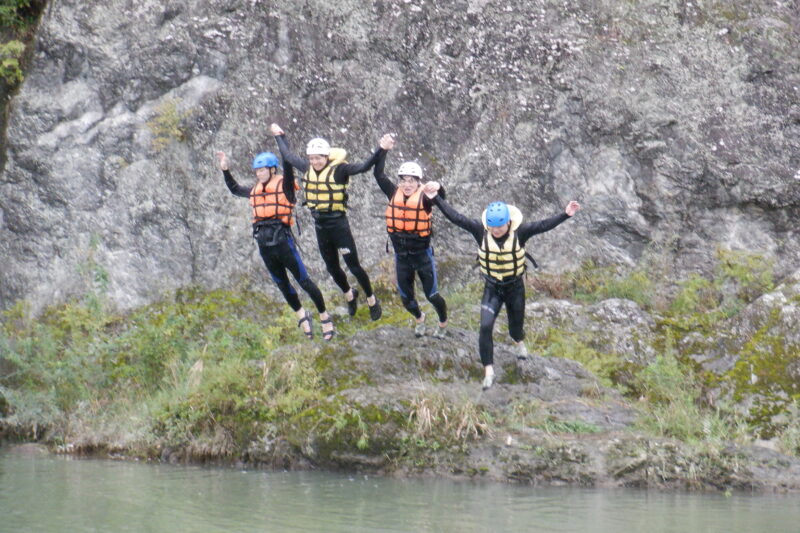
(45,493)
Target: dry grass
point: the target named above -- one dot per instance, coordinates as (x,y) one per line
(433,417)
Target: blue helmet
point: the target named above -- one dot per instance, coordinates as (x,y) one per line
(497,214)
(265,159)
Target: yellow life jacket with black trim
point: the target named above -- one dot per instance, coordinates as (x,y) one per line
(407,214)
(321,190)
(502,262)
(270,203)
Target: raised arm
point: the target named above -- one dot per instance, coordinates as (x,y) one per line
(234,187)
(289,182)
(293,159)
(351,169)
(529,229)
(386,185)
(475,227)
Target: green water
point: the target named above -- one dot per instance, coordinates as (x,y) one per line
(59,494)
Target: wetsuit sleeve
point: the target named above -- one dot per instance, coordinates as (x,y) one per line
(384,182)
(343,172)
(234,187)
(530,229)
(288,182)
(295,160)
(474,226)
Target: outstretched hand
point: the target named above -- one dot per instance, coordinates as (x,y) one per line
(387,142)
(223,160)
(431,189)
(572,208)
(276,130)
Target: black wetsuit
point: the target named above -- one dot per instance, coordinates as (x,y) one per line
(412,254)
(510,292)
(332,227)
(277,247)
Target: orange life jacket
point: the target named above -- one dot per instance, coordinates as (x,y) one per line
(269,202)
(408,214)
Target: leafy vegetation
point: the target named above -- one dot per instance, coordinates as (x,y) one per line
(210,373)
(167,125)
(17,19)
(10,57)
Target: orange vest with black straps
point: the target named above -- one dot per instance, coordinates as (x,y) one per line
(407,214)
(269,202)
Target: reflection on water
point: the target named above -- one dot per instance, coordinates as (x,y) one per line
(58,494)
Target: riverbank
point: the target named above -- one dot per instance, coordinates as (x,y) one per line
(609,397)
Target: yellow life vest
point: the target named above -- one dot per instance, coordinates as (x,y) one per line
(321,190)
(407,214)
(502,262)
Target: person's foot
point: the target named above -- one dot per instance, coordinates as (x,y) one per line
(327,328)
(352,305)
(522,351)
(305,324)
(440,332)
(375,310)
(419,329)
(488,381)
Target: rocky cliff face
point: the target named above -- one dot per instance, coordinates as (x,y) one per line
(673,122)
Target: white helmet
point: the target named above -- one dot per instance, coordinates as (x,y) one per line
(318,146)
(410,168)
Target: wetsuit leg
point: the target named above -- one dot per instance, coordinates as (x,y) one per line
(514,299)
(326,242)
(347,245)
(405,284)
(293,263)
(430,284)
(491,303)
(274,263)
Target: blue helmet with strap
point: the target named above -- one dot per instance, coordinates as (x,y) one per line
(265,159)
(497,214)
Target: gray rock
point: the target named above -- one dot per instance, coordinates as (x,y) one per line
(670,122)
(613,326)
(772,316)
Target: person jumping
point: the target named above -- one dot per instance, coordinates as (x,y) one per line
(272,199)
(501,238)
(408,221)
(325,180)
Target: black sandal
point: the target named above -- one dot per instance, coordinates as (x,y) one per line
(328,335)
(310,333)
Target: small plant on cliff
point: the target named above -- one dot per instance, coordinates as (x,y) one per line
(789,437)
(17,17)
(767,372)
(593,283)
(167,125)
(749,275)
(10,55)
(669,408)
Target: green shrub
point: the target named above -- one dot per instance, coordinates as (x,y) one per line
(10,56)
(763,373)
(671,410)
(751,274)
(789,435)
(593,283)
(13,14)
(569,345)
(167,125)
